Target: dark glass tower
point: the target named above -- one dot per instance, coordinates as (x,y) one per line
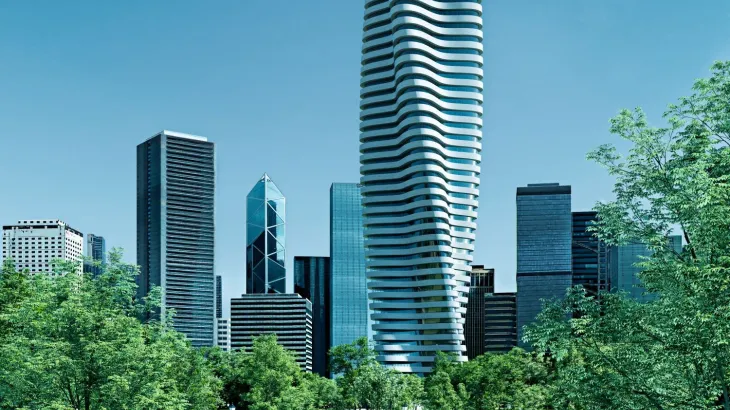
(176,229)
(218,297)
(590,256)
(265,238)
(624,271)
(96,251)
(349,307)
(500,322)
(482,283)
(544,240)
(312,282)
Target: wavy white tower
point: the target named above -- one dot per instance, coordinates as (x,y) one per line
(421,120)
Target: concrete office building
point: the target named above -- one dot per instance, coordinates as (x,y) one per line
(176,229)
(312,282)
(223,333)
(265,238)
(95,252)
(625,271)
(421,130)
(35,244)
(500,322)
(288,316)
(544,243)
(349,313)
(482,283)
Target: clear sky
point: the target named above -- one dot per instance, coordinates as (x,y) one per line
(276,86)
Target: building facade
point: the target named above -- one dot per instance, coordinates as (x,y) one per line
(349,307)
(95,252)
(288,316)
(482,283)
(544,245)
(176,229)
(500,322)
(625,271)
(223,333)
(265,238)
(218,296)
(421,121)
(590,256)
(35,245)
(312,282)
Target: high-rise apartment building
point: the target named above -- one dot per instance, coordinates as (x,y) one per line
(590,256)
(223,333)
(544,243)
(349,307)
(482,283)
(500,322)
(94,251)
(288,316)
(625,271)
(176,229)
(265,238)
(312,282)
(421,121)
(34,245)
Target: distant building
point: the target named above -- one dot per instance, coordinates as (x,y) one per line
(590,257)
(288,316)
(176,229)
(223,333)
(482,283)
(265,238)
(500,322)
(312,282)
(95,251)
(544,241)
(35,244)
(349,307)
(218,296)
(625,272)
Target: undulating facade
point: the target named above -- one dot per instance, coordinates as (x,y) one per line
(482,284)
(349,313)
(544,245)
(265,238)
(421,131)
(312,282)
(176,229)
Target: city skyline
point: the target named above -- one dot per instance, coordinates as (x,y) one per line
(115,126)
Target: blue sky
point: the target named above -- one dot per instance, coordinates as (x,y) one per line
(277,89)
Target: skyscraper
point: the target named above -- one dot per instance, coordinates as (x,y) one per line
(349,307)
(482,283)
(544,241)
(288,316)
(35,244)
(421,120)
(590,256)
(176,229)
(218,296)
(265,238)
(312,282)
(625,271)
(95,250)
(500,322)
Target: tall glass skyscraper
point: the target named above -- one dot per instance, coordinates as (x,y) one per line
(482,284)
(176,229)
(95,250)
(544,241)
(265,238)
(312,282)
(421,120)
(590,255)
(625,272)
(349,306)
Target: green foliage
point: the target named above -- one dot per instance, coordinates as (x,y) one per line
(74,342)
(671,353)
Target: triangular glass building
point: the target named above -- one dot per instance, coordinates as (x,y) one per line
(265,238)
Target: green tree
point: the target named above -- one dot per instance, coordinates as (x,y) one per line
(75,342)
(671,353)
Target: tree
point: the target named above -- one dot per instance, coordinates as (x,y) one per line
(672,352)
(74,342)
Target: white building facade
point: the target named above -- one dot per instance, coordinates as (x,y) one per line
(421,131)
(223,333)
(35,244)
